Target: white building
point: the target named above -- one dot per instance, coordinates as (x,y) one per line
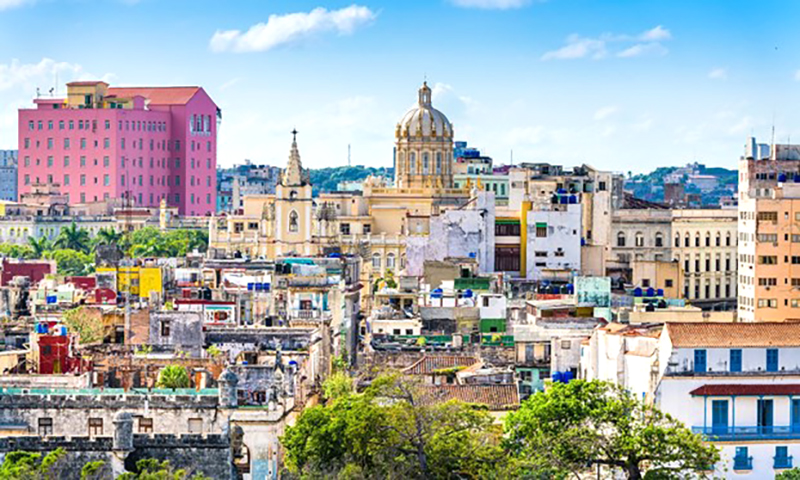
(554,241)
(738,384)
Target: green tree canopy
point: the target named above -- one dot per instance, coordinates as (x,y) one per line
(391,431)
(88,328)
(73,237)
(32,466)
(72,262)
(583,424)
(173,376)
(791,474)
(39,246)
(152,469)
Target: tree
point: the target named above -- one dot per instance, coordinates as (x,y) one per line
(393,429)
(12,250)
(32,466)
(337,385)
(152,469)
(73,238)
(582,424)
(88,328)
(173,376)
(107,236)
(39,246)
(72,262)
(791,474)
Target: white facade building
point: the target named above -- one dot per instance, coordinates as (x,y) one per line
(737,384)
(553,241)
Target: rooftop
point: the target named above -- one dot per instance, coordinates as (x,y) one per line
(429,364)
(759,334)
(496,397)
(157,95)
(744,389)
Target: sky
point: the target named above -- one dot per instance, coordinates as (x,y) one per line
(620,85)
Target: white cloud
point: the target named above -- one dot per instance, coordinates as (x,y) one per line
(26,74)
(7,4)
(578,47)
(605,112)
(491,4)
(643,49)
(718,74)
(626,46)
(656,34)
(292,27)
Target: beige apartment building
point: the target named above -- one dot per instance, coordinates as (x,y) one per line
(769,233)
(695,247)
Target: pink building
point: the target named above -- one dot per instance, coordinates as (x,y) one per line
(148,143)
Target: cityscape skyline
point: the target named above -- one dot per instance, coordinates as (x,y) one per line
(683,82)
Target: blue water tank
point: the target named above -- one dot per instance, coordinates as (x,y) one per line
(436,293)
(556,376)
(573,199)
(660,292)
(41,328)
(566,376)
(782,178)
(563,199)
(797,177)
(250,286)
(468,293)
(61,331)
(637,292)
(651,292)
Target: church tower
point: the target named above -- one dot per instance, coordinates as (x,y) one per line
(293,207)
(424,145)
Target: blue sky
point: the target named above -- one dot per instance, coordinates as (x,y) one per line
(621,85)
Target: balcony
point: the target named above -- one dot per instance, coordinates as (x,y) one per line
(743,434)
(742,463)
(782,462)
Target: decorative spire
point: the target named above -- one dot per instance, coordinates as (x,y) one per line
(425,95)
(294,174)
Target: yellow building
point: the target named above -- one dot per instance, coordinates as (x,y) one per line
(138,281)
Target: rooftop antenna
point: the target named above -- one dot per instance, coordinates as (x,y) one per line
(772,142)
(512,157)
(348,155)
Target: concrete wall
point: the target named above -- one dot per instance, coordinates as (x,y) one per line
(561,248)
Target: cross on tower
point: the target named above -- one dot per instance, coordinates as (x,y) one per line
(294,134)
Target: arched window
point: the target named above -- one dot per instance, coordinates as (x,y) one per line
(425,163)
(639,239)
(620,239)
(293,226)
(659,240)
(376,261)
(390,260)
(697,239)
(708,239)
(719,239)
(412,163)
(677,240)
(728,239)
(686,240)
(438,163)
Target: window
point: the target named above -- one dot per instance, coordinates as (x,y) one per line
(293,219)
(95,427)
(767,216)
(620,239)
(686,240)
(782,458)
(742,461)
(659,240)
(708,239)
(344,228)
(668,283)
(772,359)
(367,228)
(196,425)
(145,425)
(376,261)
(390,260)
(767,260)
(45,426)
(639,239)
(699,361)
(736,360)
(165,328)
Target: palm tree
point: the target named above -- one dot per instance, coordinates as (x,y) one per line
(107,236)
(173,376)
(40,246)
(73,238)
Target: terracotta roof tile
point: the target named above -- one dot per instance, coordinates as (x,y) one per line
(430,363)
(157,95)
(746,389)
(496,397)
(757,334)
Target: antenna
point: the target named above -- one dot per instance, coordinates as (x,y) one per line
(348,155)
(512,157)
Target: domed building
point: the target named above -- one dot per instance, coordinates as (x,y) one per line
(424,141)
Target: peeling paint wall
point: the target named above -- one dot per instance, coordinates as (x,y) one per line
(457,233)
(560,248)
